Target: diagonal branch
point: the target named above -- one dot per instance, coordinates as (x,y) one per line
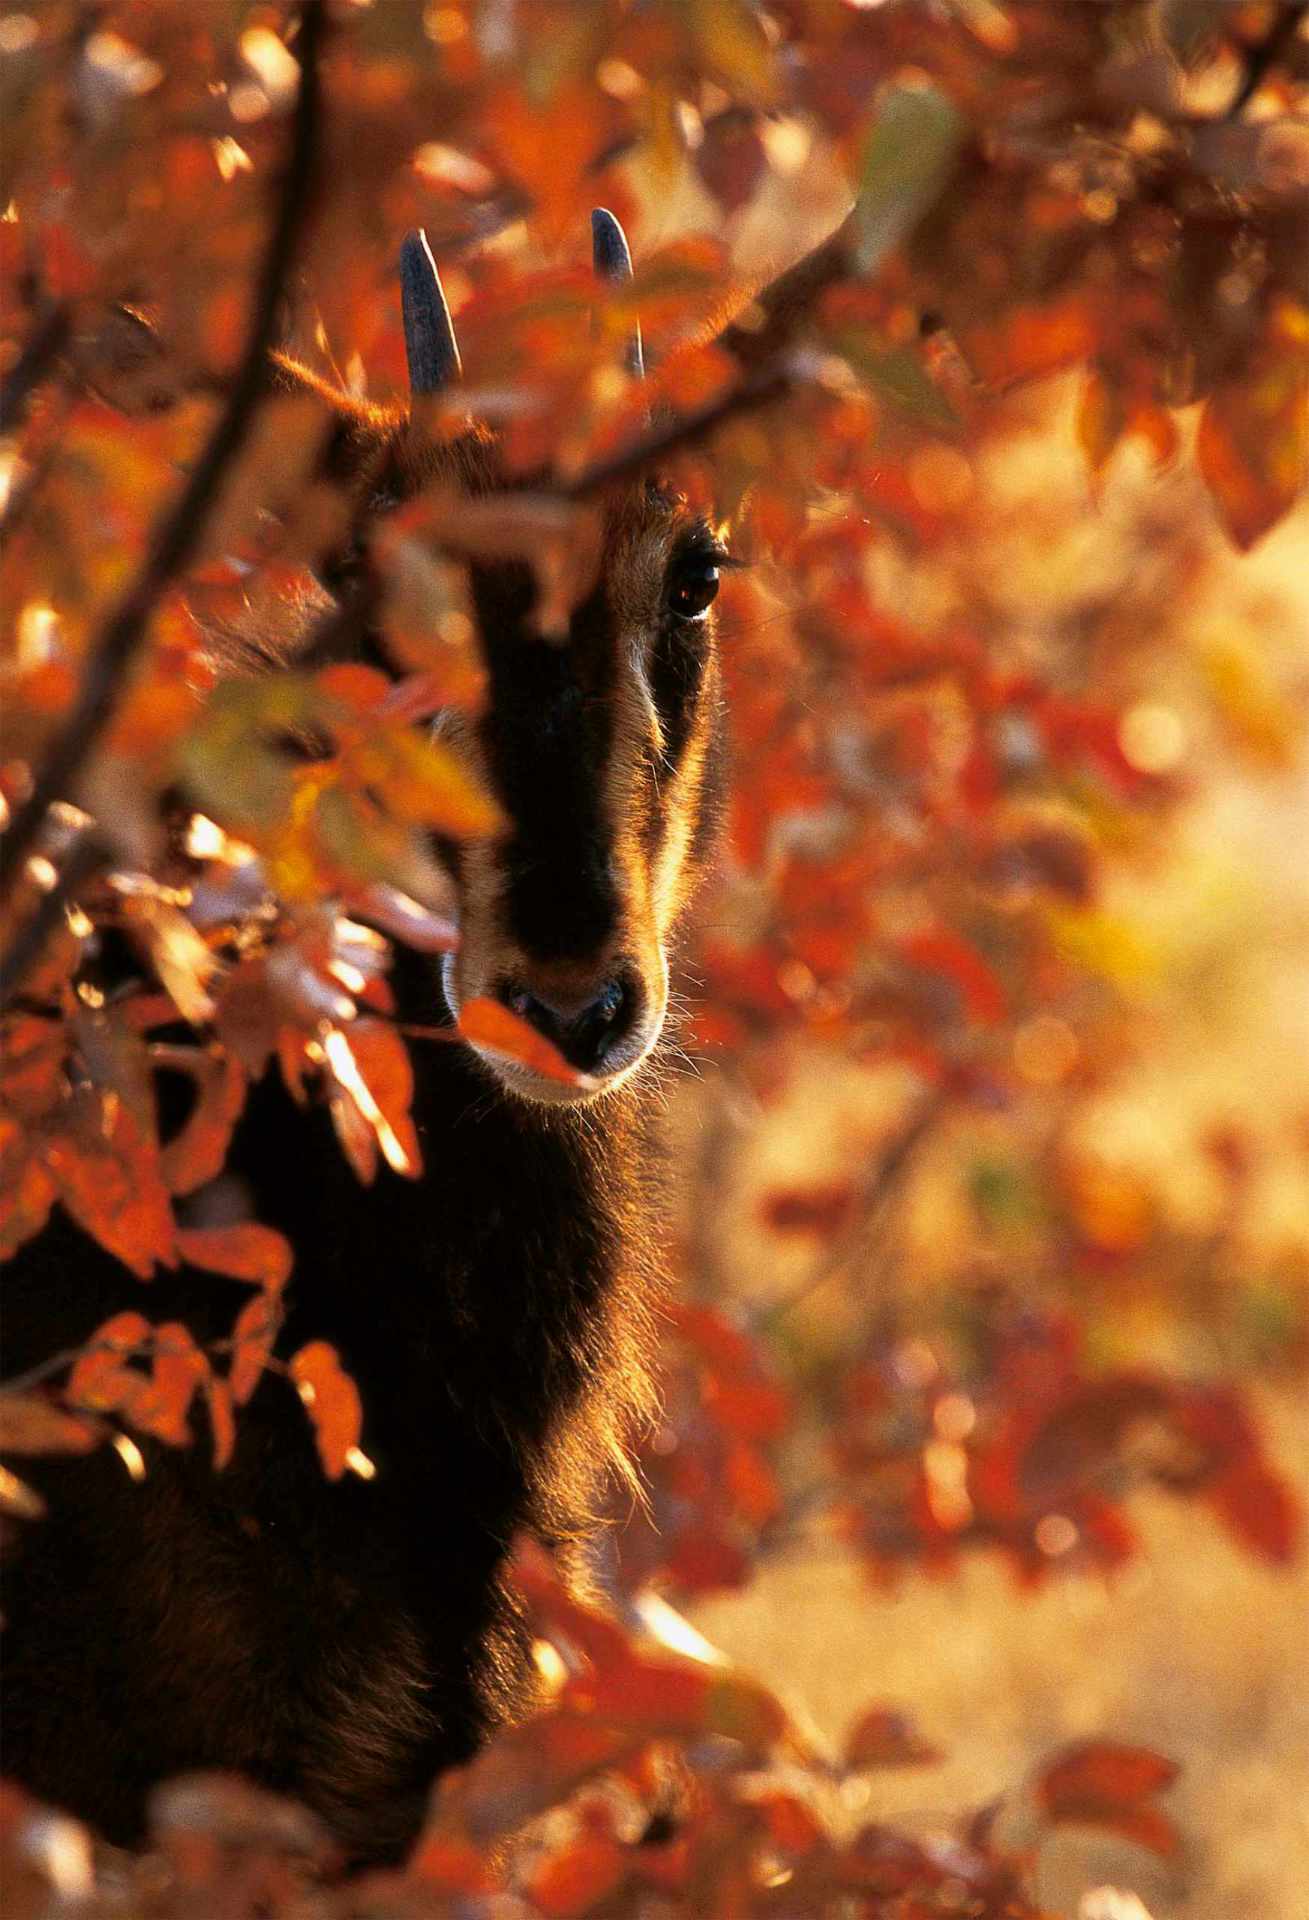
(46,344)
(762,341)
(686,430)
(178,535)
(1265,53)
(881,1182)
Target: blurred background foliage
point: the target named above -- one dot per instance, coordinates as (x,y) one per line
(989,1122)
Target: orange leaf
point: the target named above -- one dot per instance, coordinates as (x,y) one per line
(253,1334)
(332,1400)
(26,1197)
(752,1484)
(179,1369)
(1101,419)
(100,1378)
(565,126)
(31,1064)
(577,1880)
(107,1172)
(1031,341)
(486,1023)
(382,1087)
(356,686)
(1253,445)
(667,1696)
(245,1251)
(29,1423)
(198,1152)
(449,1864)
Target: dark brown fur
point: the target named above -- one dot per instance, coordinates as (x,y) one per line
(344,1641)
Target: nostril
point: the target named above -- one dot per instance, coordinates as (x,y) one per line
(609,1004)
(584,1027)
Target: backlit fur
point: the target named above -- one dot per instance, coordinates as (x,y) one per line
(344,1641)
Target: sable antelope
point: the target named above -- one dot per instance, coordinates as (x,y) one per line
(345,1641)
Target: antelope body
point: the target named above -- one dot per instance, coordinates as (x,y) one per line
(345,1641)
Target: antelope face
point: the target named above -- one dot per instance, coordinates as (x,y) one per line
(604,750)
(605,753)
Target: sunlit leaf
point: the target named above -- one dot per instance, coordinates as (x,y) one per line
(488,1023)
(332,1402)
(29,1423)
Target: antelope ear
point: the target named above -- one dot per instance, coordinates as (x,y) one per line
(612,260)
(430,344)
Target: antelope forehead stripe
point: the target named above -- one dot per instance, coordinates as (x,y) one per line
(548,737)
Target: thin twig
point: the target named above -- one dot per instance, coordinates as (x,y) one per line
(45,345)
(685,431)
(882,1180)
(1264,54)
(177,538)
(761,343)
(88,853)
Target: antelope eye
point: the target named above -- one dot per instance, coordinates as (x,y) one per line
(693,586)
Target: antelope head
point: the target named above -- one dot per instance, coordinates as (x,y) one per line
(604,752)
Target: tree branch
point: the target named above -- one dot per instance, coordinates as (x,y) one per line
(178,536)
(760,341)
(880,1183)
(1264,54)
(687,430)
(45,345)
(769,323)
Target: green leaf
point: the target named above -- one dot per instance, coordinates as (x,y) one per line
(898,375)
(908,158)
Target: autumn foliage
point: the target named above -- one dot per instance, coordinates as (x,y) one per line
(956,725)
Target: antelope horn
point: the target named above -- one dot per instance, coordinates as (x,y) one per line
(430,344)
(612,261)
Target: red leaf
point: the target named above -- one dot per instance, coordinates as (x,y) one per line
(820,1209)
(253,1335)
(1102,1774)
(1089,1423)
(883,1737)
(245,1251)
(1259,1507)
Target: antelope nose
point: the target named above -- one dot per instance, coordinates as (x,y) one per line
(587,1026)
